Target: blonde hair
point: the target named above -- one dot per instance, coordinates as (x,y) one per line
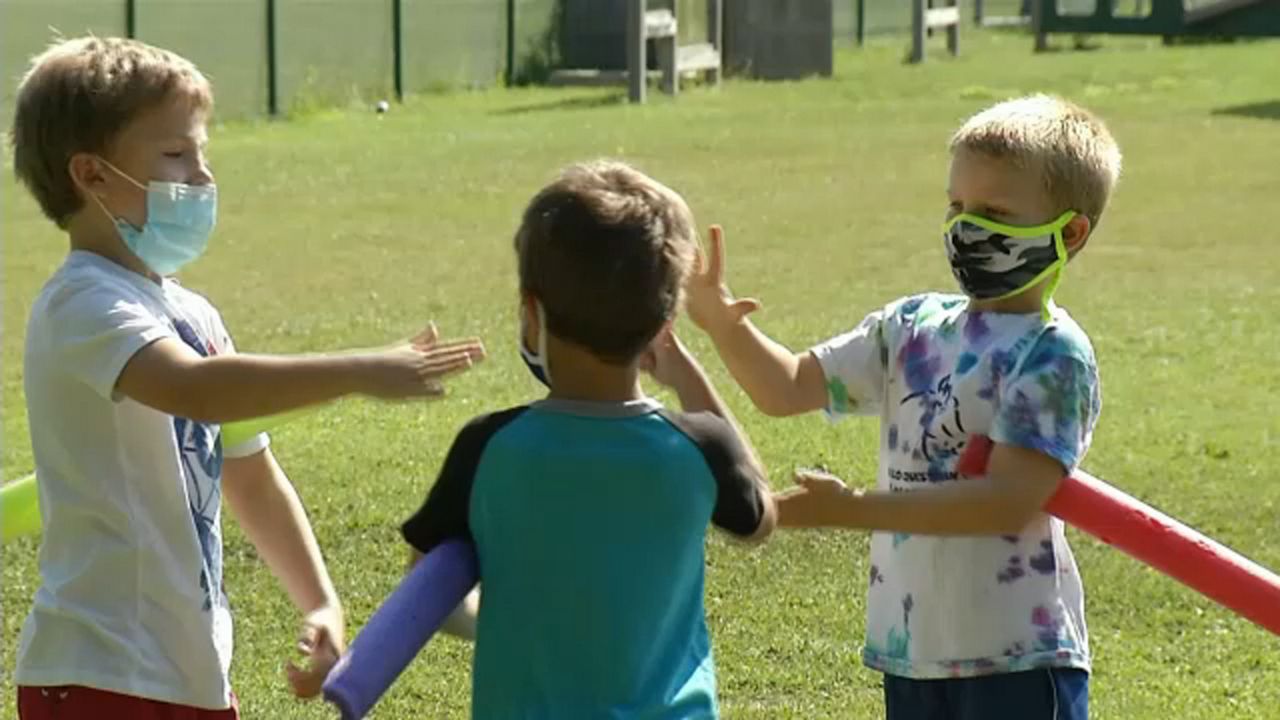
(606,249)
(77,96)
(1069,146)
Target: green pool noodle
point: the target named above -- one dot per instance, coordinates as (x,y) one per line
(234,433)
(20,499)
(19,509)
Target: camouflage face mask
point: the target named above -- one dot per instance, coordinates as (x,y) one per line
(992,261)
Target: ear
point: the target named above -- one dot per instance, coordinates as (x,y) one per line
(87,174)
(1075,234)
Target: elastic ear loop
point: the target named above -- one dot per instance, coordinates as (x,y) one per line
(98,201)
(121,173)
(542,341)
(1057,269)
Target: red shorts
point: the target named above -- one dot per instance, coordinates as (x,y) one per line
(72,702)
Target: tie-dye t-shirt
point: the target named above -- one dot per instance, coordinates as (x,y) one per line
(935,373)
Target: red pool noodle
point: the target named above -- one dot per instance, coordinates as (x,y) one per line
(1155,539)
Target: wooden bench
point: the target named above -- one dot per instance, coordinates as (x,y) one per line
(673,59)
(925,19)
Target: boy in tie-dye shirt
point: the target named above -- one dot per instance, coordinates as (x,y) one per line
(975,607)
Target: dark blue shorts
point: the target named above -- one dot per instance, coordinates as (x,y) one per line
(1048,694)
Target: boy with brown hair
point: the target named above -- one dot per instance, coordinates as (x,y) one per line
(589,509)
(975,608)
(128,376)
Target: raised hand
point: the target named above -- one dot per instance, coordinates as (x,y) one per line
(711,305)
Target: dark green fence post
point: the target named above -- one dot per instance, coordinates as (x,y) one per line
(862,22)
(397,44)
(511,43)
(130,19)
(273,95)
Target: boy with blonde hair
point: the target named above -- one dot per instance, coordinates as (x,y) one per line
(128,377)
(589,509)
(975,608)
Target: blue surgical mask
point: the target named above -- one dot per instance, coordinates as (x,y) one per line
(536,362)
(180,219)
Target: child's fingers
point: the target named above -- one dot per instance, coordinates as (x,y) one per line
(474,353)
(746,306)
(427,337)
(316,645)
(307,638)
(809,478)
(471,344)
(715,264)
(305,683)
(700,264)
(442,367)
(434,359)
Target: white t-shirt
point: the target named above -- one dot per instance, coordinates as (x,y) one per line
(131,597)
(935,373)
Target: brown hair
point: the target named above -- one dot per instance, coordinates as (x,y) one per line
(1070,147)
(77,96)
(606,249)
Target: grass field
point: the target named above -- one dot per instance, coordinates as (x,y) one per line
(346,229)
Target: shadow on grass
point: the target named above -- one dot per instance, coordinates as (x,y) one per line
(573,103)
(1261,111)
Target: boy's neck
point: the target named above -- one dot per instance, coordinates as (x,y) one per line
(1024,303)
(1018,305)
(578,375)
(87,236)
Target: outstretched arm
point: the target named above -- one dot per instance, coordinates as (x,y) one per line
(170,377)
(778,381)
(1018,484)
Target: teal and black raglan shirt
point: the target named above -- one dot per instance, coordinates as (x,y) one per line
(589,522)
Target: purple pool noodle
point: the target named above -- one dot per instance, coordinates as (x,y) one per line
(400,627)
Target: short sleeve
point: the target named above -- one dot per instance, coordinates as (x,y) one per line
(95,330)
(249,447)
(740,484)
(445,514)
(221,337)
(854,366)
(1052,401)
